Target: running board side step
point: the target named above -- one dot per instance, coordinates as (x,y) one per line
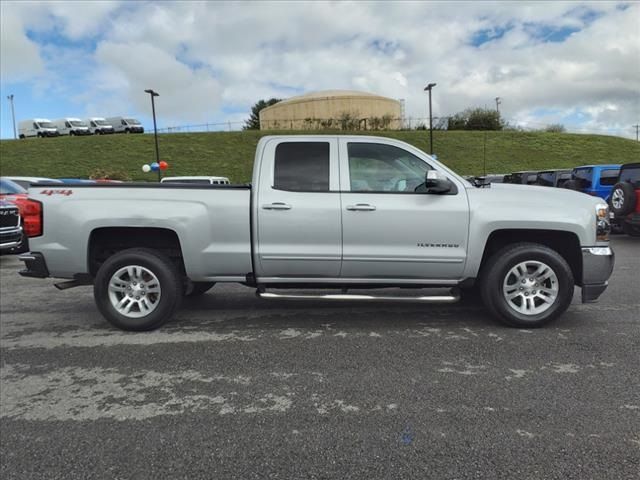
(453,297)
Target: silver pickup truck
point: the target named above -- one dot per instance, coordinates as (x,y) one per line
(324,212)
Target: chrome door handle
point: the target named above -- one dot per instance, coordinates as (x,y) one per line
(276,206)
(361,207)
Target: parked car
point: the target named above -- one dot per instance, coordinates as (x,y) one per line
(595,180)
(37,127)
(77,181)
(13,193)
(10,190)
(12,239)
(71,126)
(125,125)
(197,180)
(333,212)
(99,126)
(625,199)
(527,177)
(553,178)
(24,182)
(489,178)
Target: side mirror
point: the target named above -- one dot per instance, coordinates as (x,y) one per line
(436,182)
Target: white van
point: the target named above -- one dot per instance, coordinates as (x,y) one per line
(71,126)
(197,180)
(99,126)
(125,125)
(37,127)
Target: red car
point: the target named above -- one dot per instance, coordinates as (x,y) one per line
(29,210)
(625,199)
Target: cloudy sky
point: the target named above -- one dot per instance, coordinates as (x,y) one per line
(573,63)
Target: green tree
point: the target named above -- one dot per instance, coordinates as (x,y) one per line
(253,122)
(555,128)
(476,119)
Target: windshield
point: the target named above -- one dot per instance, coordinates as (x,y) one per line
(132,121)
(46,125)
(102,123)
(78,123)
(7,187)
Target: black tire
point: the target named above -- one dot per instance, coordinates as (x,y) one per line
(624,195)
(471,295)
(39,135)
(571,185)
(196,289)
(169,279)
(496,270)
(71,133)
(631,230)
(126,130)
(21,136)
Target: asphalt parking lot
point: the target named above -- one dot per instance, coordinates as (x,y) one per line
(238,387)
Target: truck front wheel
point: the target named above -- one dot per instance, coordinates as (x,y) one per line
(137,289)
(526,285)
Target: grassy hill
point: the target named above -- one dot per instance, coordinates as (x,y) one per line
(231,153)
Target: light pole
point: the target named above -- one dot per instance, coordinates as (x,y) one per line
(155,128)
(498,102)
(13,115)
(428,88)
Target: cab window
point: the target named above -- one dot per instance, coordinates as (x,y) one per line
(375,167)
(302,167)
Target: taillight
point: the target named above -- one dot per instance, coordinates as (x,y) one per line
(32,217)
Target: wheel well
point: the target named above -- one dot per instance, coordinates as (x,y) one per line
(104,242)
(565,243)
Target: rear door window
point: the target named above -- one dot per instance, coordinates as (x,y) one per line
(302,167)
(609,177)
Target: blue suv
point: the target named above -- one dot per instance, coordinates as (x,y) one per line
(596,180)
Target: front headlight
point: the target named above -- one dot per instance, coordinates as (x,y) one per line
(603,225)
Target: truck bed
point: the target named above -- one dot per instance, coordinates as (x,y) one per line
(216,249)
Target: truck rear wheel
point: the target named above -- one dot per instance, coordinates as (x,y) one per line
(526,285)
(138,289)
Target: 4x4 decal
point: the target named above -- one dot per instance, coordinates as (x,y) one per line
(66,193)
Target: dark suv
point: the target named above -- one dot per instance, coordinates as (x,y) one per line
(625,199)
(527,177)
(553,178)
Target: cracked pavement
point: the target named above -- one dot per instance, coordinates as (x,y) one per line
(238,387)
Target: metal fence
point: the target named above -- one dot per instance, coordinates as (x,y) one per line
(339,123)
(373,124)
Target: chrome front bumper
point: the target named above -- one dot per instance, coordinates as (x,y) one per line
(597,265)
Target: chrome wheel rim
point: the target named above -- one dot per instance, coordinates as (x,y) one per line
(134,291)
(617,199)
(530,288)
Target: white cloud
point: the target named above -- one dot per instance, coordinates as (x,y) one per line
(204,56)
(19,56)
(186,94)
